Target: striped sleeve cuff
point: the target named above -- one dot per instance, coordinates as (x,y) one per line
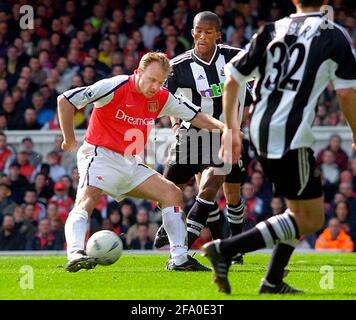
(230,70)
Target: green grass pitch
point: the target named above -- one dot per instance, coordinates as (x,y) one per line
(142,277)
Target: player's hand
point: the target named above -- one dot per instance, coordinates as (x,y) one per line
(230,150)
(354,143)
(69,146)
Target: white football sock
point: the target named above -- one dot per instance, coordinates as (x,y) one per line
(75,230)
(174,223)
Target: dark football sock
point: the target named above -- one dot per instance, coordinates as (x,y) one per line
(214,222)
(279,260)
(235,215)
(196,219)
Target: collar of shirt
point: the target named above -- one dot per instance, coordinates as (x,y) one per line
(303,14)
(132,82)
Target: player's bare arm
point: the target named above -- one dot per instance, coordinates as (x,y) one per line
(231,139)
(205,121)
(66,120)
(347,99)
(175,123)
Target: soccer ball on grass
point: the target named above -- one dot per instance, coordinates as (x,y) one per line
(105,246)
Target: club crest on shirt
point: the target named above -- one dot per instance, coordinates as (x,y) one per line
(88,93)
(222,72)
(152,106)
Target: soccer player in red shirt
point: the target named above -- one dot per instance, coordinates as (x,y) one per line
(125,109)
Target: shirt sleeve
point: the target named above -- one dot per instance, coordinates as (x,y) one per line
(343,73)
(171,83)
(179,107)
(100,93)
(243,66)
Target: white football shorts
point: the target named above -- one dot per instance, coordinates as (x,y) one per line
(110,171)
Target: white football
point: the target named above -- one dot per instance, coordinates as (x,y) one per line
(105,246)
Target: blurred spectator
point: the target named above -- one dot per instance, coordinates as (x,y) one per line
(17,95)
(334,238)
(57,171)
(142,241)
(57,229)
(253,203)
(127,214)
(149,31)
(106,52)
(51,211)
(44,114)
(141,218)
(24,226)
(12,114)
(43,190)
(329,168)
(67,180)
(348,223)
(345,188)
(10,238)
(353,171)
(34,157)
(38,76)
(7,155)
(7,205)
(278,206)
(18,182)
(189,195)
(62,200)
(263,190)
(29,120)
(3,122)
(44,238)
(114,217)
(38,207)
(26,169)
(341,157)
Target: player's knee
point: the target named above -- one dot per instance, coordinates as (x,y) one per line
(311,224)
(232,198)
(209,190)
(88,200)
(208,193)
(318,223)
(173,196)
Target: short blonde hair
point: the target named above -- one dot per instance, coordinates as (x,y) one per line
(159,57)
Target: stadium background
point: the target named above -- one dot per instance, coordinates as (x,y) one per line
(76,43)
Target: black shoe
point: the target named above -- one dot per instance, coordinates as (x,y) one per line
(281,288)
(238,259)
(220,264)
(80,261)
(161,238)
(190,265)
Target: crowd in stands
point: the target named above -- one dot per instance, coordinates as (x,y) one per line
(75,43)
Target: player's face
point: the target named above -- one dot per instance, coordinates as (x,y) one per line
(151,80)
(205,37)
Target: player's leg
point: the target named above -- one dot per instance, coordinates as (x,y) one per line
(159,189)
(161,238)
(235,213)
(88,195)
(180,175)
(283,228)
(76,228)
(205,205)
(304,216)
(309,217)
(308,214)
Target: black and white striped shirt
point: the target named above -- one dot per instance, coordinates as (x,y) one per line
(203,82)
(292,60)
